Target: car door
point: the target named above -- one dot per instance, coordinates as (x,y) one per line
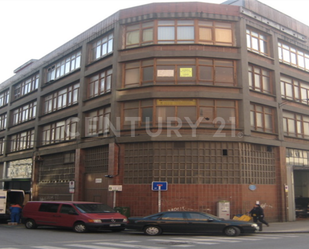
(66,216)
(202,223)
(173,222)
(47,214)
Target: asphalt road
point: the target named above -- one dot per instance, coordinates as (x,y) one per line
(17,237)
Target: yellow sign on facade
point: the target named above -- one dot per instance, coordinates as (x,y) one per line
(176,102)
(185,72)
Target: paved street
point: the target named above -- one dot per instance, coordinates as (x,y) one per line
(17,237)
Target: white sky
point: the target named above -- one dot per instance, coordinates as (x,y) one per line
(30,29)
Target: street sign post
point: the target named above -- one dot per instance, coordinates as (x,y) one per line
(114,188)
(72,189)
(159,186)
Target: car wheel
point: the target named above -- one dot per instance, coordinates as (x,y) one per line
(30,224)
(80,227)
(232,231)
(152,230)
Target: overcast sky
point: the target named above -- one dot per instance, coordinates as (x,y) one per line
(30,29)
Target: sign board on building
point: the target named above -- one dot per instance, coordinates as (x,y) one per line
(98,180)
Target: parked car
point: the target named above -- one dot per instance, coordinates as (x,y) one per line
(189,222)
(81,216)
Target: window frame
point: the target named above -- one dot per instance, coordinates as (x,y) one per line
(102,47)
(296,89)
(22,141)
(263,113)
(298,58)
(94,86)
(25,87)
(24,113)
(59,131)
(64,66)
(260,37)
(61,99)
(97,123)
(261,76)
(296,122)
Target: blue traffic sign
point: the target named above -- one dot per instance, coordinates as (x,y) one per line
(155,186)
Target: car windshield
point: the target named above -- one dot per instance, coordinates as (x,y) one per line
(94,208)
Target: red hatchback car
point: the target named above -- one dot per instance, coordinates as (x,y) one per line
(80,216)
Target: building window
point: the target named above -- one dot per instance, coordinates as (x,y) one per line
(180,32)
(175,31)
(211,113)
(215,33)
(180,71)
(262,118)
(4,98)
(163,161)
(259,79)
(24,113)
(61,99)
(139,34)
(64,66)
(2,146)
(27,86)
(97,122)
(293,56)
(56,169)
(296,125)
(22,141)
(293,89)
(257,42)
(297,157)
(60,131)
(3,121)
(100,83)
(102,47)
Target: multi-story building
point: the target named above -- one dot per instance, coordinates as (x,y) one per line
(212,99)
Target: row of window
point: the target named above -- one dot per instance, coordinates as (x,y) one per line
(220,114)
(208,113)
(179,32)
(180,71)
(168,31)
(218,71)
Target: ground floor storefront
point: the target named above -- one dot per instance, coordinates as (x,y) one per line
(200,175)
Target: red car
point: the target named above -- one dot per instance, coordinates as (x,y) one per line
(81,216)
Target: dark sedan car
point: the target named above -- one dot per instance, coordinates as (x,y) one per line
(189,222)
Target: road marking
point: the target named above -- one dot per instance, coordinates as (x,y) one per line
(177,241)
(92,246)
(129,246)
(48,247)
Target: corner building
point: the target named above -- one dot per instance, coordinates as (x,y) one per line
(212,99)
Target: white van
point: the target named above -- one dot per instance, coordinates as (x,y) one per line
(7,197)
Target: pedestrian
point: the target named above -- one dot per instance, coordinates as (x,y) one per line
(257,214)
(15,210)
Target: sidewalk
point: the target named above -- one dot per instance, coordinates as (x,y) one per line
(299,226)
